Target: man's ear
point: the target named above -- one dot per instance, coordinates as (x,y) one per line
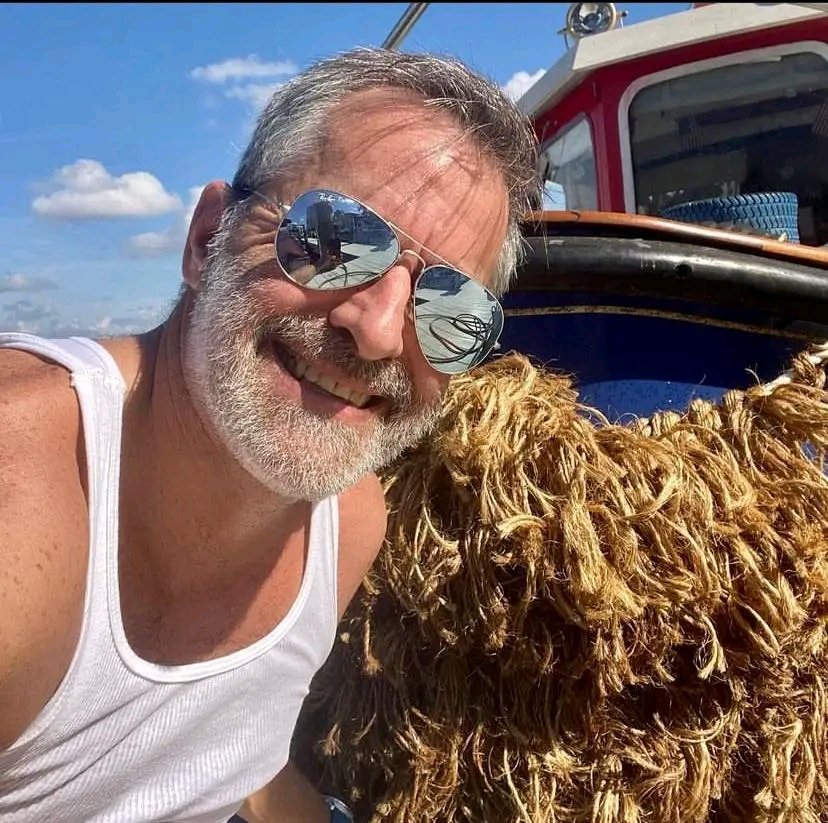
(206,219)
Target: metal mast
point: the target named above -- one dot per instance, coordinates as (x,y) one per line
(404,25)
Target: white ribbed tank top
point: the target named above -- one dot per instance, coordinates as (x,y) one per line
(124,739)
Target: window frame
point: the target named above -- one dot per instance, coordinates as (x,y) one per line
(571,124)
(686,70)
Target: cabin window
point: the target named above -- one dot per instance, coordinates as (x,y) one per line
(758,126)
(567,167)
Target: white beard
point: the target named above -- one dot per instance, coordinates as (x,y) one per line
(292,451)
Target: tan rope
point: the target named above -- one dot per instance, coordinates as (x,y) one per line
(817,357)
(573,620)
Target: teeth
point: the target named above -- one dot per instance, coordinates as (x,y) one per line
(304,371)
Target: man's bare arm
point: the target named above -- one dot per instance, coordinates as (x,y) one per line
(288,798)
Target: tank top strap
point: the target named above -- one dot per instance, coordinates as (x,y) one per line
(71,352)
(323,551)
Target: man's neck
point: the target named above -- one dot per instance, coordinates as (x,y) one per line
(189,512)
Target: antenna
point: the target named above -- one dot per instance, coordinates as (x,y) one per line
(404,25)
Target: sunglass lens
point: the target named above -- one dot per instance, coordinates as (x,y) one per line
(329,241)
(458,321)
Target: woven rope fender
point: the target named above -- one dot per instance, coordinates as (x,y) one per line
(573,620)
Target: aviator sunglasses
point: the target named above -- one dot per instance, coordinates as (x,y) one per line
(327,240)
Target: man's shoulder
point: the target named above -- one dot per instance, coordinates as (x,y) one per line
(41,442)
(43,530)
(39,412)
(42,460)
(26,375)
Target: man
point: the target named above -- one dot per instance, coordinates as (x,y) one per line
(185,514)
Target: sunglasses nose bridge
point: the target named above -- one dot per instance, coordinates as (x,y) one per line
(421,262)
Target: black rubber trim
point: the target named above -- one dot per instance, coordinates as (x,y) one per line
(677,271)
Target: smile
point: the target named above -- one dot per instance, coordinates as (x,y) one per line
(301,370)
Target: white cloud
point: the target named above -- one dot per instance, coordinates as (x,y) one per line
(22,315)
(159,243)
(46,320)
(242,68)
(520,82)
(85,189)
(246,78)
(257,94)
(25,282)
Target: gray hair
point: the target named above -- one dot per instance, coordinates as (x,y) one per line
(291,129)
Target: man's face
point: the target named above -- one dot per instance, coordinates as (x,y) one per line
(312,390)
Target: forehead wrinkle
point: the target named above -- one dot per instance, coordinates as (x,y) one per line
(402,111)
(447,158)
(396,183)
(400,165)
(405,196)
(450,155)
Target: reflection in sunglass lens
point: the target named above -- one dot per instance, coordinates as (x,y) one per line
(329,241)
(458,321)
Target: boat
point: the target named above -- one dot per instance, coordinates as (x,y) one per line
(681,249)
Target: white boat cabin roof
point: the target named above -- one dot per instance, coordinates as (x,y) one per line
(666,33)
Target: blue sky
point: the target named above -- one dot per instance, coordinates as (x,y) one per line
(113,116)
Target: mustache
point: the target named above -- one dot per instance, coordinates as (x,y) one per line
(311,338)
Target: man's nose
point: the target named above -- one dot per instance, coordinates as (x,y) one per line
(375,315)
